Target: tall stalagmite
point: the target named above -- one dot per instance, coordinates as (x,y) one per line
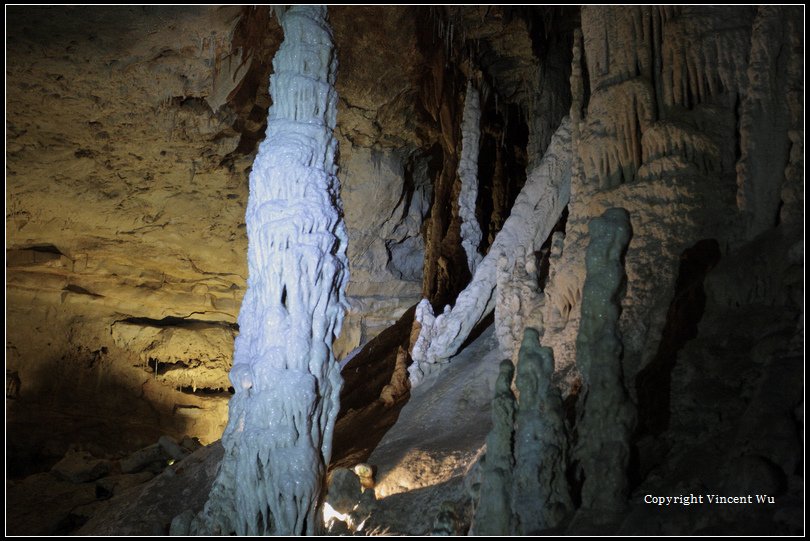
(278,439)
(609,416)
(493,515)
(540,497)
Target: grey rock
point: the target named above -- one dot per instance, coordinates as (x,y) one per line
(190,444)
(344,490)
(171,448)
(494,513)
(181,524)
(608,417)
(540,500)
(142,458)
(116,484)
(80,467)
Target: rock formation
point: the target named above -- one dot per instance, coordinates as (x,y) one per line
(524,489)
(279,436)
(536,210)
(608,418)
(130,137)
(468,174)
(493,515)
(540,498)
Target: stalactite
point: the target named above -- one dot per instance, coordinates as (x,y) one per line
(698,65)
(611,134)
(676,147)
(278,439)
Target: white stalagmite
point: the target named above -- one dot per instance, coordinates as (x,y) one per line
(534,214)
(278,439)
(468,173)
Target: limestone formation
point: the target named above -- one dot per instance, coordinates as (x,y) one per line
(765,123)
(279,435)
(142,458)
(493,514)
(80,467)
(468,173)
(540,498)
(344,491)
(519,302)
(399,379)
(654,131)
(608,418)
(525,489)
(536,210)
(130,195)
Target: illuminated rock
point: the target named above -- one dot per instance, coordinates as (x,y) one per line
(468,173)
(279,434)
(536,210)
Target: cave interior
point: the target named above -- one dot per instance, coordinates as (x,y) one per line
(568,249)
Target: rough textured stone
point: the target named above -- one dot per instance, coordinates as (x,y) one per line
(80,467)
(494,513)
(536,210)
(116,484)
(43,504)
(129,134)
(143,458)
(171,449)
(149,508)
(540,498)
(608,416)
(344,490)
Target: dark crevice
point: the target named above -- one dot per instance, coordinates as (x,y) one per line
(258,36)
(364,419)
(174,321)
(207,391)
(161,368)
(502,163)
(44,249)
(193,104)
(70,524)
(80,290)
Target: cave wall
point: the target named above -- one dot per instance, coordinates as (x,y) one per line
(661,129)
(124,212)
(671,123)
